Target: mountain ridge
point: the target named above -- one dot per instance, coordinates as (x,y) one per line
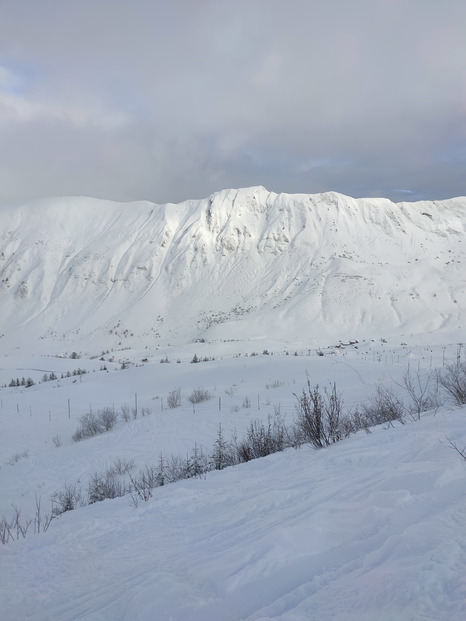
(240,264)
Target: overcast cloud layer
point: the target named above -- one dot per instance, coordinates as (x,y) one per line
(158,100)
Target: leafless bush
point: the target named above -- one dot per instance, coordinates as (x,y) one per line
(67,499)
(358,420)
(108,418)
(384,407)
(454,446)
(14,459)
(422,389)
(121,466)
(16,528)
(199,395)
(275,384)
(105,485)
(57,440)
(174,398)
(262,440)
(125,413)
(246,403)
(143,484)
(89,425)
(176,468)
(41,522)
(94,423)
(453,380)
(320,418)
(110,483)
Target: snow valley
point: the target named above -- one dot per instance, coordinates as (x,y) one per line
(162,370)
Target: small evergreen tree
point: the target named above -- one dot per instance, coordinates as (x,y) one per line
(161,471)
(220,451)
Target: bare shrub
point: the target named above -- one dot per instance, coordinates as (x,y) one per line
(16,528)
(41,522)
(16,457)
(246,403)
(384,407)
(105,485)
(143,484)
(358,420)
(57,440)
(263,439)
(199,395)
(110,483)
(453,380)
(174,398)
(454,446)
(422,393)
(89,425)
(320,417)
(94,423)
(67,499)
(121,466)
(275,384)
(125,413)
(108,418)
(175,469)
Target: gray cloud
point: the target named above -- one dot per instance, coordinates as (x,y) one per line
(167,101)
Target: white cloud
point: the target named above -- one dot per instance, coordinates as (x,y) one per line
(168,100)
(20,109)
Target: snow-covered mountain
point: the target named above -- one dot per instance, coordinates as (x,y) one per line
(371,527)
(242,264)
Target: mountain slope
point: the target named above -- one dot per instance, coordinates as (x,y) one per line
(291,264)
(369,528)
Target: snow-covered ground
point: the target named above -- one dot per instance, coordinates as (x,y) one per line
(371,527)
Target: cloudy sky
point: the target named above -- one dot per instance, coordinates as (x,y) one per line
(173,99)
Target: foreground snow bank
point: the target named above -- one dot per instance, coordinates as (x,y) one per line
(370,528)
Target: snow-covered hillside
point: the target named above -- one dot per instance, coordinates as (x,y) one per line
(369,528)
(242,264)
(265,293)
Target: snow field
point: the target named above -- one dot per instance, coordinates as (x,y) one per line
(368,528)
(371,527)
